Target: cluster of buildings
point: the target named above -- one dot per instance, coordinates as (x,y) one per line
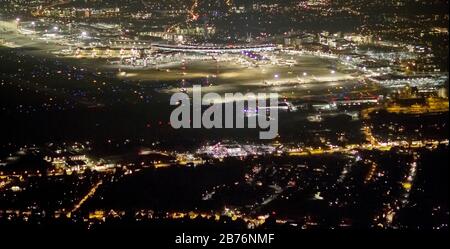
(229,149)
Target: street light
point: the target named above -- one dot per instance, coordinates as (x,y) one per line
(33,23)
(17,22)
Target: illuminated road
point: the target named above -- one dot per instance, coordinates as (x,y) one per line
(90,194)
(369,146)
